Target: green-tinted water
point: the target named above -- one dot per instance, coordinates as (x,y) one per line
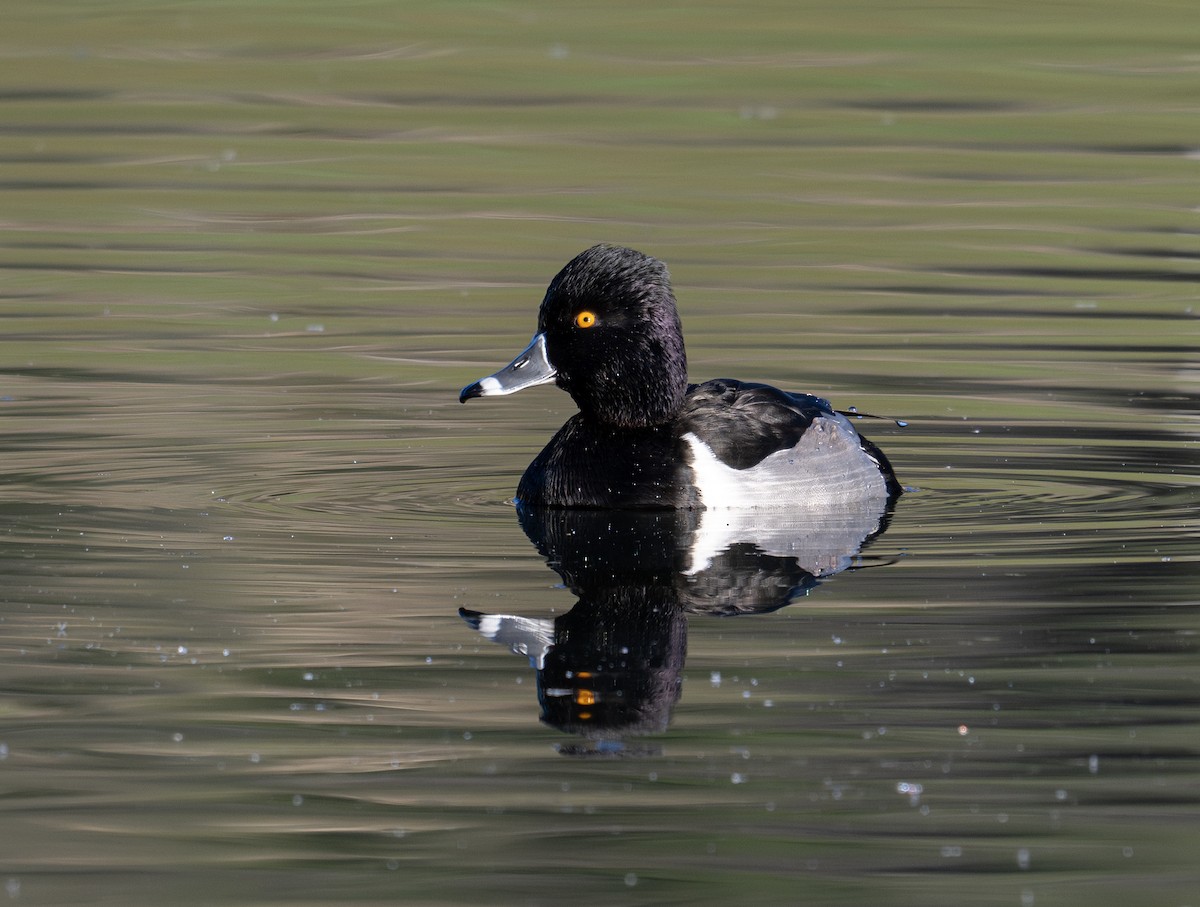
(251,251)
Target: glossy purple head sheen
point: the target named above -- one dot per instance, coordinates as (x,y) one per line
(629,368)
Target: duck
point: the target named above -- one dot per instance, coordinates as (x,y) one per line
(609,334)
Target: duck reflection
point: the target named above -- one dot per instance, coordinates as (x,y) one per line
(611,668)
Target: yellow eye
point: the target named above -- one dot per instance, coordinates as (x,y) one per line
(585,319)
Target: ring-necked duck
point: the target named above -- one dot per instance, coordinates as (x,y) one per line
(609,335)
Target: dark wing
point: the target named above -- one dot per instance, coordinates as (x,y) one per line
(743,423)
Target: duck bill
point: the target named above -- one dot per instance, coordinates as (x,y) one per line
(529,369)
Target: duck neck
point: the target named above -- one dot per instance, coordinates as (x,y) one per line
(634,391)
(632,405)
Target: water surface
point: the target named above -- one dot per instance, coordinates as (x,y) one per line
(251,252)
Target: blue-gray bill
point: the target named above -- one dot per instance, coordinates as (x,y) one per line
(531,368)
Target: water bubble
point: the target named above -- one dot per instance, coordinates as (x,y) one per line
(912,790)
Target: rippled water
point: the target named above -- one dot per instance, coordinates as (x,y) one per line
(263,581)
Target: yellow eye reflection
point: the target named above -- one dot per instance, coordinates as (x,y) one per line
(585,319)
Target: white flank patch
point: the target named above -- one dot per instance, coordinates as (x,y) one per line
(825,480)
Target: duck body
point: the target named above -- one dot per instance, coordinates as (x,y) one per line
(609,334)
(589,464)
